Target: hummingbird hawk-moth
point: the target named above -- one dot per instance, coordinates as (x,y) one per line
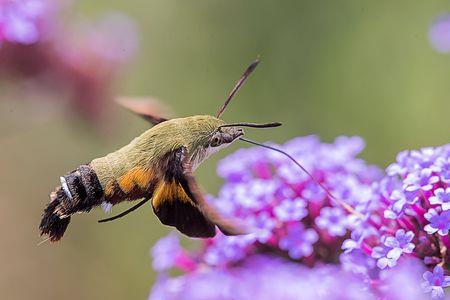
(156,166)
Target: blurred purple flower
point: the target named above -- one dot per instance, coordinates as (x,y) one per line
(20,20)
(439,34)
(291,210)
(360,264)
(223,250)
(332,219)
(263,277)
(298,241)
(404,281)
(435,282)
(77,61)
(264,225)
(165,251)
(354,242)
(313,192)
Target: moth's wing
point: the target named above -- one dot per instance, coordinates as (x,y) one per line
(228,226)
(171,202)
(185,216)
(179,202)
(148,108)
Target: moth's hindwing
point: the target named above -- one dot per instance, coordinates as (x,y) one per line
(173,204)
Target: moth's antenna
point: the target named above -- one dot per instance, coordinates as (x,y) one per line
(238,85)
(346,206)
(126,212)
(253,125)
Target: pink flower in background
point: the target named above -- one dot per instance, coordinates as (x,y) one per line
(22,21)
(76,61)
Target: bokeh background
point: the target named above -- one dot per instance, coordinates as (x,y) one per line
(328,68)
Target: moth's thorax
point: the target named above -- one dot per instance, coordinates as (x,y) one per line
(146,150)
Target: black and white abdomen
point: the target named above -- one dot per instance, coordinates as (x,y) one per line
(80,191)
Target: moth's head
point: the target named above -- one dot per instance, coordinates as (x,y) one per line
(218,134)
(223,136)
(214,134)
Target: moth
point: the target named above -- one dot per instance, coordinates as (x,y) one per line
(156,166)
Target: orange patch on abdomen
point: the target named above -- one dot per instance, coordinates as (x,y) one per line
(136,177)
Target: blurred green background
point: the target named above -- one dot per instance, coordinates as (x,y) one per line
(328,68)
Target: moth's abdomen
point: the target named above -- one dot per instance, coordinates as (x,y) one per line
(134,184)
(80,191)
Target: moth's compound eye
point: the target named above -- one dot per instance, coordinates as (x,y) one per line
(216,141)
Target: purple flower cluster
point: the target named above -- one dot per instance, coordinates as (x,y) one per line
(412,218)
(390,228)
(289,211)
(262,277)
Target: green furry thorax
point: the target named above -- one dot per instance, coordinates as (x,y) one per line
(147,149)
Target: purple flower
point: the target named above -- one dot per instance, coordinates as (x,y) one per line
(439,34)
(354,242)
(263,224)
(443,164)
(400,244)
(291,210)
(400,167)
(380,253)
(165,251)
(397,207)
(404,281)
(441,197)
(298,241)
(423,181)
(263,277)
(359,263)
(269,193)
(114,31)
(426,157)
(392,248)
(439,223)
(334,220)
(435,282)
(226,249)
(313,192)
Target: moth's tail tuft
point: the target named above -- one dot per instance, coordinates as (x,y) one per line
(52,224)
